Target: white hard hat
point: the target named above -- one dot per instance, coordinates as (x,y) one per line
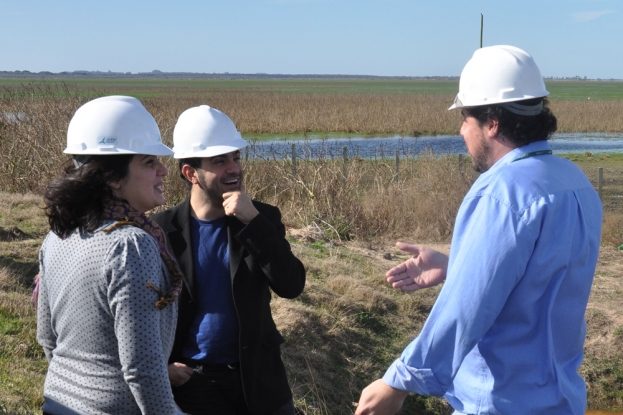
(114,125)
(205,132)
(499,74)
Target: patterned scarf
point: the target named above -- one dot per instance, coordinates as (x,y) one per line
(126,215)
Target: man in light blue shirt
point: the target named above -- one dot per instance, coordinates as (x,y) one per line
(506,333)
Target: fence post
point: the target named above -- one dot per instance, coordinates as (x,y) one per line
(397,164)
(345,156)
(600,181)
(293,159)
(460,162)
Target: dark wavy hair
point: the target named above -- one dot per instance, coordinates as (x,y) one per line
(518,129)
(76,199)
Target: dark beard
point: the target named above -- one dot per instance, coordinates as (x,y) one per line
(214,196)
(480,160)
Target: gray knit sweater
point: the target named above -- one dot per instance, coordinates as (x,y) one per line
(106,343)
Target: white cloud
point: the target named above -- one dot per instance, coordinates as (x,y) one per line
(587,16)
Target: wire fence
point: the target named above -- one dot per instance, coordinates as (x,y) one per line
(608,181)
(403,163)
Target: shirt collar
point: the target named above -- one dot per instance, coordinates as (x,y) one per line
(518,152)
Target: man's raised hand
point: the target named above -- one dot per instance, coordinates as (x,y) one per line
(426,268)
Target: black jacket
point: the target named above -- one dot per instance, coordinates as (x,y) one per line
(260,258)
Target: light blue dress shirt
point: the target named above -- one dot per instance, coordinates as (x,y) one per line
(506,333)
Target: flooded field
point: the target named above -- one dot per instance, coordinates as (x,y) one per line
(380,147)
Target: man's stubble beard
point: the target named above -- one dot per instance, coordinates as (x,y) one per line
(481,157)
(214,196)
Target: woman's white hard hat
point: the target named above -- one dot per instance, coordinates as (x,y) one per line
(204,131)
(499,74)
(114,125)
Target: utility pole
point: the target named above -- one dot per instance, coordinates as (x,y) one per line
(481,25)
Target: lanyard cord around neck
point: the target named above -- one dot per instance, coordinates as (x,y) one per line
(533,154)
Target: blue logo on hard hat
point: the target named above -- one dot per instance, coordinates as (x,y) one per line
(107,140)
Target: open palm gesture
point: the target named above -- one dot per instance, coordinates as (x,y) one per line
(426,268)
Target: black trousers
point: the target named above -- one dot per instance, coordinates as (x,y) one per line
(217,390)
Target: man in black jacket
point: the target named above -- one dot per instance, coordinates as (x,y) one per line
(232,250)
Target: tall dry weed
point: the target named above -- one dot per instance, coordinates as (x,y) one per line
(588,116)
(612,229)
(364,199)
(34,118)
(33,128)
(360,199)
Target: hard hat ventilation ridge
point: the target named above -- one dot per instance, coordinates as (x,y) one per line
(80,160)
(520,109)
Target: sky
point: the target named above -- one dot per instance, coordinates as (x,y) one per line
(567,38)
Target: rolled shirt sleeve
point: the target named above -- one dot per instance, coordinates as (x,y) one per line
(495,246)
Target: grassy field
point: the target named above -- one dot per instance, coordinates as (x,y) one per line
(348,325)
(35,115)
(141,88)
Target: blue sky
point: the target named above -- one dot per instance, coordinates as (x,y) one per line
(351,37)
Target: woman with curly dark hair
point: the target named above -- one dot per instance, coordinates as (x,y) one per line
(107,285)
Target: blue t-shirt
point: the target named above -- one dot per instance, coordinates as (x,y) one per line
(213,335)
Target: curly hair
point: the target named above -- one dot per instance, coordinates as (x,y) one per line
(76,199)
(518,129)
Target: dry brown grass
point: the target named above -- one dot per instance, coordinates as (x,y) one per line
(34,119)
(22,365)
(603,364)
(279,113)
(588,116)
(364,199)
(612,229)
(347,327)
(33,127)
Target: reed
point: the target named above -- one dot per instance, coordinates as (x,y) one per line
(359,199)
(365,199)
(588,116)
(34,119)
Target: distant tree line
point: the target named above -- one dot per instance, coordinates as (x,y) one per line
(197,75)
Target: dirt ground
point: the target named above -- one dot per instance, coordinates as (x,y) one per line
(606,295)
(605,308)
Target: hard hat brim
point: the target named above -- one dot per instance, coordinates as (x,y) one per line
(212,151)
(153,150)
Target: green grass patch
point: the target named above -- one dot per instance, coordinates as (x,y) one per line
(606,377)
(320,249)
(145,87)
(589,159)
(9,325)
(582,90)
(142,88)
(21,385)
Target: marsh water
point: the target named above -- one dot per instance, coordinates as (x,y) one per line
(382,147)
